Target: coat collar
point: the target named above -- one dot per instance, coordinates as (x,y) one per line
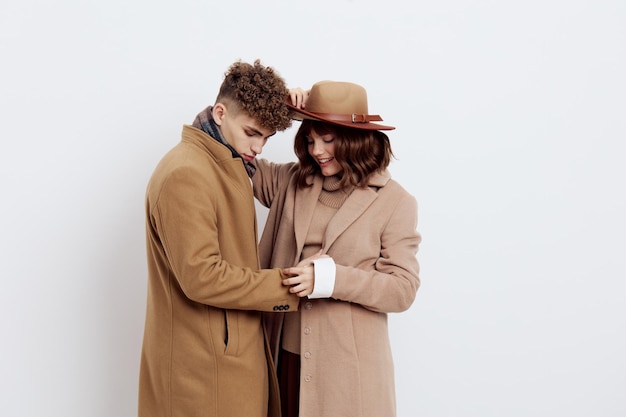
(352,208)
(201,139)
(233,167)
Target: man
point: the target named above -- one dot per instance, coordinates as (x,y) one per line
(204,351)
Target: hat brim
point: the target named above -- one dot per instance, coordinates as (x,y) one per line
(301,114)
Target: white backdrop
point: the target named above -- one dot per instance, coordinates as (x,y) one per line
(511,128)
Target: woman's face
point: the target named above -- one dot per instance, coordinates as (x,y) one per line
(322,149)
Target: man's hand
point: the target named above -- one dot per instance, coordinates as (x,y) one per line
(301,278)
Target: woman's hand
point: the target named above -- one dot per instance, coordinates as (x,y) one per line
(302,276)
(298,97)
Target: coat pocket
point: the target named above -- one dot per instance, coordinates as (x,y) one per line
(230,332)
(222,330)
(226,328)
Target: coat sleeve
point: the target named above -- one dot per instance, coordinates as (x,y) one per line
(185,220)
(269,178)
(386,281)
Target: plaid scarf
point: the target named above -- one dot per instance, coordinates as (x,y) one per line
(204,121)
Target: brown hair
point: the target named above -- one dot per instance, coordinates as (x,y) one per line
(259,91)
(361,153)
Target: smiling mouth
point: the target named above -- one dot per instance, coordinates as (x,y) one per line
(323,162)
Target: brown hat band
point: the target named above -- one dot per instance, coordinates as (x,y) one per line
(350,118)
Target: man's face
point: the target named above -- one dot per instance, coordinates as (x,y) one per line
(241,131)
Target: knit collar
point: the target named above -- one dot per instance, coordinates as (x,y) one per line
(331,183)
(332,195)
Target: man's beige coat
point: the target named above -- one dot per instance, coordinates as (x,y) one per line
(204,352)
(347,367)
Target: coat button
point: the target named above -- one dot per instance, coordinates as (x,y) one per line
(308,305)
(307,330)
(307,355)
(308,378)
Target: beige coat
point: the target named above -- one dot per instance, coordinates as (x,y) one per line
(204,351)
(347,367)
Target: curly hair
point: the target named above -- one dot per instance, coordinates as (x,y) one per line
(259,91)
(361,153)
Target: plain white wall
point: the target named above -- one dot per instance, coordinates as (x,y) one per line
(511,128)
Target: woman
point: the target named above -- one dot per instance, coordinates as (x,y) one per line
(334,357)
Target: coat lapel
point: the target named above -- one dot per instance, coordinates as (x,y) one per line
(352,209)
(306,199)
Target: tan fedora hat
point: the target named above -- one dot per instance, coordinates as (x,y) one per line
(339,103)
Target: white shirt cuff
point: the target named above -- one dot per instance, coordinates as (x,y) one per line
(325,271)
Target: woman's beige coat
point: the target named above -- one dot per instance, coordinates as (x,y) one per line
(204,352)
(347,367)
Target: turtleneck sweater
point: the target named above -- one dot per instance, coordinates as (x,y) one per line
(330,200)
